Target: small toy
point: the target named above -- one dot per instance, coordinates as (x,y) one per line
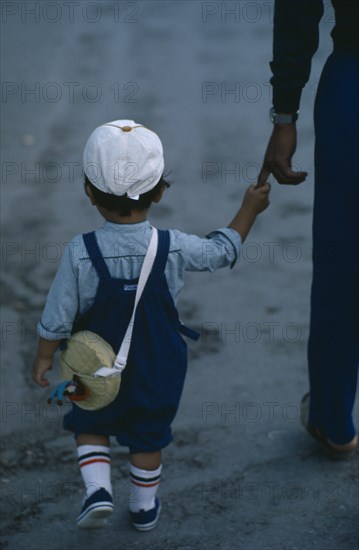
(74,389)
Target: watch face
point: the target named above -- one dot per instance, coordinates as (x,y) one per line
(282,118)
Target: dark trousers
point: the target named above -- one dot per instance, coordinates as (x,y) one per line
(333,348)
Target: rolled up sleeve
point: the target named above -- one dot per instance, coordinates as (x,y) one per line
(62,301)
(295,40)
(218,249)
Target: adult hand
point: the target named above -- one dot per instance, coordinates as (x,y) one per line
(278,157)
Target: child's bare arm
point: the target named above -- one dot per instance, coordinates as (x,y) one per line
(255,201)
(43,360)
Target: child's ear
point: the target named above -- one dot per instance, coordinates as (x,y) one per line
(89,193)
(159,194)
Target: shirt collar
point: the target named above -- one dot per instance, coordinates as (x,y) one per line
(126,227)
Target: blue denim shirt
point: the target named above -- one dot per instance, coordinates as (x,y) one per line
(123,247)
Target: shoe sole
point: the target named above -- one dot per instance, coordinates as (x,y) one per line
(148,526)
(95,516)
(319,437)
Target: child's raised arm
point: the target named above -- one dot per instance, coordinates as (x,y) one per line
(254,202)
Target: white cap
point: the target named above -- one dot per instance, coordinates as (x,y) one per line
(123,158)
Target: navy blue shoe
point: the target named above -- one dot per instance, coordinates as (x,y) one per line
(145,521)
(96,510)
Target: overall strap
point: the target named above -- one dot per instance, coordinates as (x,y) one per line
(121,358)
(95,255)
(162,251)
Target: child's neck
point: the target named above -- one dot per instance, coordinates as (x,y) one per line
(136,216)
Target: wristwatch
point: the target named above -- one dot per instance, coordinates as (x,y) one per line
(282,118)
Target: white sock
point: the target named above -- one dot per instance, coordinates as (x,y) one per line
(95,467)
(144,485)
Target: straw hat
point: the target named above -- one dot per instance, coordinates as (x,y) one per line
(87,352)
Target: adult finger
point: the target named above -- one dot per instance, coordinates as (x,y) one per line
(263,175)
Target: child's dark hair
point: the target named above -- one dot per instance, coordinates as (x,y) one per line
(123,205)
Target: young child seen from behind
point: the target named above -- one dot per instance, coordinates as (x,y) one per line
(123,165)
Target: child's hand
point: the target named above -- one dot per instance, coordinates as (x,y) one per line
(43,360)
(40,366)
(256,199)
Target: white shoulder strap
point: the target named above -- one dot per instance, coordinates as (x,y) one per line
(121,359)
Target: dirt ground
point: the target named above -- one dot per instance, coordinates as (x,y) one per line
(241,474)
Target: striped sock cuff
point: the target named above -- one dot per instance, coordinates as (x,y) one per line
(93,455)
(145,478)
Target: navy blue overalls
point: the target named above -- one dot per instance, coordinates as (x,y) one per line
(140,416)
